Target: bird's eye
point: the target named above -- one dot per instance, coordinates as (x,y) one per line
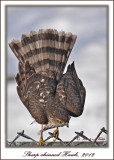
(60,121)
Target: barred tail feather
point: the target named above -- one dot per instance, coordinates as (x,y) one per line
(45,50)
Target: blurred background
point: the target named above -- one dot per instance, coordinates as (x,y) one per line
(89,54)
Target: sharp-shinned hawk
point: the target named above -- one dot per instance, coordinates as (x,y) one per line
(50,96)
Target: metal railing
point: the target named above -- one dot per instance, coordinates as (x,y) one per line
(93,142)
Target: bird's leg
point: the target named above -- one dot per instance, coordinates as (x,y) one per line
(41,142)
(56,134)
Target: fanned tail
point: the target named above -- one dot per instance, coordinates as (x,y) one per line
(43,51)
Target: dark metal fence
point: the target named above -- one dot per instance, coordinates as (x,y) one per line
(85,141)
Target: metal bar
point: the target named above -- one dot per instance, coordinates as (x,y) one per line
(48,138)
(79,143)
(97,136)
(83,136)
(16,138)
(102,130)
(25,136)
(76,137)
(57,138)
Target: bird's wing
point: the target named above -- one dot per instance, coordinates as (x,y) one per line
(21,84)
(71,92)
(28,92)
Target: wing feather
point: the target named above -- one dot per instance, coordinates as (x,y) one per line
(71,92)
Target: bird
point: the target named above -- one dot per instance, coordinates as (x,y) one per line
(51,96)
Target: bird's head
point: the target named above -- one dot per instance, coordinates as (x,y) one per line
(59,118)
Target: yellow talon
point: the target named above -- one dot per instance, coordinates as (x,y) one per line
(56,134)
(41,142)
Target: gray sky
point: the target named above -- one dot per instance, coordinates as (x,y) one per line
(89,54)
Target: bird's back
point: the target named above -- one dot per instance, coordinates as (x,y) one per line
(42,58)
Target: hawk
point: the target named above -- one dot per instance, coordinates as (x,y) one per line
(50,95)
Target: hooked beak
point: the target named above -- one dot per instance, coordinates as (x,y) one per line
(67,124)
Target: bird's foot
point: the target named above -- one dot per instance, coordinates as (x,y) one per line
(41,142)
(56,134)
